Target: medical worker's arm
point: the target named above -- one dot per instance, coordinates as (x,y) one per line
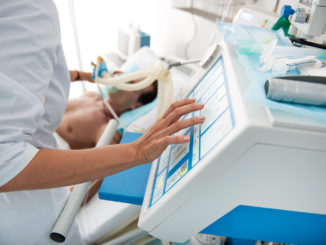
(55,168)
(76,75)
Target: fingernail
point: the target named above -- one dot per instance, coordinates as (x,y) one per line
(201,118)
(186,138)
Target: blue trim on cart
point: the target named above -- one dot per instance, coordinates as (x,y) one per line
(266,224)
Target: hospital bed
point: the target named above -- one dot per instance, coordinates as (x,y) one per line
(101,220)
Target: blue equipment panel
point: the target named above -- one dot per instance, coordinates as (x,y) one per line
(129,185)
(177,160)
(267,224)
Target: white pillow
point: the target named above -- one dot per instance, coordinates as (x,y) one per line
(144,58)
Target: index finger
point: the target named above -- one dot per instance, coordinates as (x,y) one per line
(181,111)
(177,104)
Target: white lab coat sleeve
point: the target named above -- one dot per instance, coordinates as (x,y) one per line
(19,111)
(30,45)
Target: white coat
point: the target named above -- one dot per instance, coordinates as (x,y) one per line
(34,85)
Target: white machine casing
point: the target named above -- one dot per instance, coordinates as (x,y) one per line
(254,15)
(269,159)
(311,20)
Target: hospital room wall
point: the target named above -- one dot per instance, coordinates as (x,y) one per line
(172,31)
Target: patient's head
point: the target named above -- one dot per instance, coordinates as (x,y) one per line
(123,100)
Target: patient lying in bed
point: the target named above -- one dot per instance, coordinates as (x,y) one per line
(100,217)
(86,117)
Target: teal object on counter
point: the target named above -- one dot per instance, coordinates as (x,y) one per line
(283,22)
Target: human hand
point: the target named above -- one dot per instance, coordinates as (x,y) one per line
(86,76)
(151,145)
(80,76)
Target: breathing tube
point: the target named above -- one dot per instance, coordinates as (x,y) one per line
(122,82)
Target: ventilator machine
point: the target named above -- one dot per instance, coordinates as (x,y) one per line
(248,171)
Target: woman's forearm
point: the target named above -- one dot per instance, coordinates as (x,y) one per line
(56,168)
(76,75)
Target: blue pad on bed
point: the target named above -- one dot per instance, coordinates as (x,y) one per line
(127,186)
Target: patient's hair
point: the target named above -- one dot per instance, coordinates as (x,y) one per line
(148,97)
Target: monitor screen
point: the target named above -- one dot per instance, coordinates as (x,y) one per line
(178,160)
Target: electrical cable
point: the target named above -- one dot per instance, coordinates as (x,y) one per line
(76,37)
(276,5)
(295,40)
(181,63)
(227,12)
(186,50)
